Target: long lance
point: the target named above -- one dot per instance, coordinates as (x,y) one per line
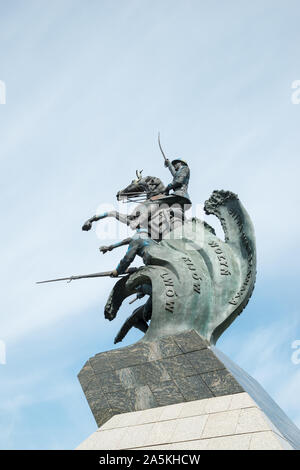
(87,276)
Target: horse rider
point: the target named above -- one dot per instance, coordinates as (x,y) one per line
(181,175)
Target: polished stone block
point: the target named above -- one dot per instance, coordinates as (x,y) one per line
(190,341)
(204,361)
(167,393)
(193,388)
(222,382)
(179,366)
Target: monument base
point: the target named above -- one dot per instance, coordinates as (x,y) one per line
(231,422)
(179,392)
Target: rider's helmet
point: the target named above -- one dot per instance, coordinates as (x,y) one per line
(179,160)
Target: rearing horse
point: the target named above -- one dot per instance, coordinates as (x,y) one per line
(157,212)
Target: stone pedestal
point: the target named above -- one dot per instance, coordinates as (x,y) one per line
(179,393)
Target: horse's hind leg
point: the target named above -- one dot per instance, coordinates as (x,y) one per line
(136,320)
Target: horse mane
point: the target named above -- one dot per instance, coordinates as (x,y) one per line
(154,184)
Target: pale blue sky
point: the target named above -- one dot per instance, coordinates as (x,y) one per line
(89,84)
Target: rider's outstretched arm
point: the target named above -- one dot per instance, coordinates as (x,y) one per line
(104,249)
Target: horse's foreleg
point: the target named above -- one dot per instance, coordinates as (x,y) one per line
(123,218)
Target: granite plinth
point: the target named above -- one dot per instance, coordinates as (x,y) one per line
(150,374)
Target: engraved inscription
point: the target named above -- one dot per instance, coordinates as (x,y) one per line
(195,276)
(238,297)
(170,292)
(224,268)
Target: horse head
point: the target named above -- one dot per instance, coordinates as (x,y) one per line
(141,186)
